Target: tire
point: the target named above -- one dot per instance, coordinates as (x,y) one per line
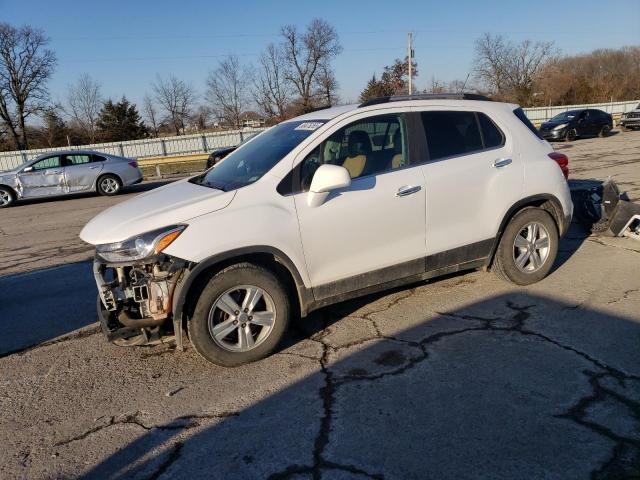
(571,135)
(606,130)
(109,185)
(504,262)
(227,349)
(7,197)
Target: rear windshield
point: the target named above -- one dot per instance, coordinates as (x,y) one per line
(518,112)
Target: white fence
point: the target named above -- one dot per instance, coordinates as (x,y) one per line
(542,114)
(203,143)
(151,147)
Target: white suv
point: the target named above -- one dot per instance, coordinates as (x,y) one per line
(328,206)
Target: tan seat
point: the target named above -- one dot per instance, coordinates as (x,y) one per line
(359,148)
(397,160)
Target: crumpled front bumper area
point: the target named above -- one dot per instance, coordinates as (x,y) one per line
(135,299)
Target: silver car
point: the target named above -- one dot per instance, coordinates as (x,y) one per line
(69,172)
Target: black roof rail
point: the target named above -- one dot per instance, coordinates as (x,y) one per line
(425,96)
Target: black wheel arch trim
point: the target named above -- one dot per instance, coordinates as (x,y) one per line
(305,295)
(558,216)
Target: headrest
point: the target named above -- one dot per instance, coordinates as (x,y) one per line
(359,143)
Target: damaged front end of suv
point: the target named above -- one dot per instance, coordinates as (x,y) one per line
(136,285)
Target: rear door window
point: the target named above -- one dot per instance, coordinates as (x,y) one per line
(77,159)
(451,133)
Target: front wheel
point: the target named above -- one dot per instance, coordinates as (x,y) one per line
(109,185)
(571,135)
(6,197)
(240,317)
(528,247)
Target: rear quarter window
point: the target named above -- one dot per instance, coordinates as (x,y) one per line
(518,112)
(491,134)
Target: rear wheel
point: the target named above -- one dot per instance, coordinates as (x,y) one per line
(7,197)
(109,185)
(606,130)
(241,316)
(528,247)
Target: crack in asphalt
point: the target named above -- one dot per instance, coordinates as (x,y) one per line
(614,467)
(625,295)
(577,413)
(604,244)
(184,422)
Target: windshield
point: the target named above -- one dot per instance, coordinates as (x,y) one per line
(564,116)
(249,163)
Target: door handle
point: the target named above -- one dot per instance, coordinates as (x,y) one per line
(55,172)
(408,190)
(502,162)
(93,167)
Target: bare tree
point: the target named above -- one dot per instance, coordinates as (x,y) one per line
(509,69)
(327,85)
(306,53)
(202,116)
(25,66)
(151,112)
(272,91)
(176,98)
(228,89)
(84,101)
(436,86)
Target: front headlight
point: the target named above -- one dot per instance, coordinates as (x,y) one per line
(561,126)
(140,246)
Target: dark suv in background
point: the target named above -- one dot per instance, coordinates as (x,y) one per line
(577,123)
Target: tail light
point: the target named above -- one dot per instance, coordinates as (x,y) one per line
(562,161)
(133,164)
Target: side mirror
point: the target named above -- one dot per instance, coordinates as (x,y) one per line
(27,169)
(325,179)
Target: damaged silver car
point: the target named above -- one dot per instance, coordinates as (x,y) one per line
(69,172)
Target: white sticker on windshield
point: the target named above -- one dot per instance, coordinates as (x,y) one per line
(308,126)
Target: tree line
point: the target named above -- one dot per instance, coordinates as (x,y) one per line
(291,77)
(528,73)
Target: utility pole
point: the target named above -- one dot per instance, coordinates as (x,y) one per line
(410,56)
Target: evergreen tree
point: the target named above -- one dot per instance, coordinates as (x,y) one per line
(54,130)
(394,81)
(120,121)
(375,88)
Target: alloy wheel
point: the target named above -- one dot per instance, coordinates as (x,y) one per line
(109,185)
(531,247)
(242,318)
(5,198)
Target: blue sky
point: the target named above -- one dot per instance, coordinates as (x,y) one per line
(124,44)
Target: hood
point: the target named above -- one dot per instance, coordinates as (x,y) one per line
(168,205)
(10,173)
(555,123)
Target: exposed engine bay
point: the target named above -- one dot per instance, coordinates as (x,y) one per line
(135,300)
